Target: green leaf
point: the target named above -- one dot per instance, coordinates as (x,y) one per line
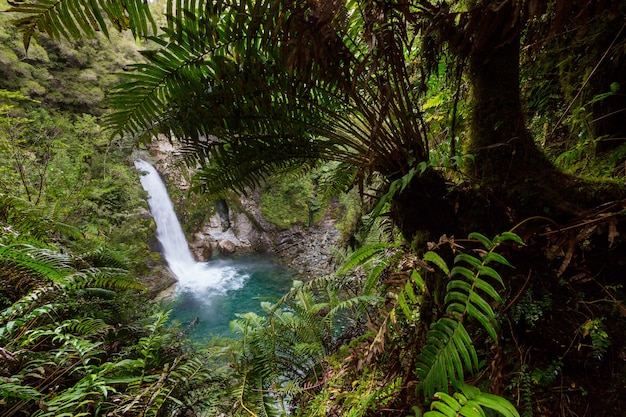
(448,353)
(71,19)
(443,409)
(490,272)
(471,260)
(21,392)
(463,271)
(495,257)
(488,289)
(472,409)
(434,257)
(418,280)
(469,404)
(488,244)
(499,404)
(508,236)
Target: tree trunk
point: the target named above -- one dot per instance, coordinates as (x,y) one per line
(515,179)
(511,170)
(504,151)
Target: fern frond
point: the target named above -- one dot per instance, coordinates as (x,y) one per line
(106,278)
(18,391)
(354,303)
(468,287)
(105,257)
(28,260)
(28,220)
(71,19)
(469,401)
(145,95)
(364,254)
(449,351)
(448,354)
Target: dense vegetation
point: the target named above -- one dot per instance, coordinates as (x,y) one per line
(484,137)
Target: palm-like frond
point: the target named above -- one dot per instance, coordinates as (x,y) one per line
(257,86)
(71,19)
(281,83)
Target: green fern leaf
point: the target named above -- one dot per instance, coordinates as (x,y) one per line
(486,242)
(449,352)
(450,401)
(444,409)
(15,390)
(469,403)
(433,257)
(490,272)
(496,257)
(71,19)
(508,236)
(364,254)
(469,259)
(463,271)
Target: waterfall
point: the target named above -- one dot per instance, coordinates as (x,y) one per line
(198,277)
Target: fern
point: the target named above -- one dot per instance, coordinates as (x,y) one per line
(46,264)
(29,220)
(469,401)
(449,352)
(71,19)
(364,254)
(18,391)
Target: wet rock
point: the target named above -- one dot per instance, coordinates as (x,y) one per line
(226,247)
(159,280)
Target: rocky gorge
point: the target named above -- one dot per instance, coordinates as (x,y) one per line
(238,226)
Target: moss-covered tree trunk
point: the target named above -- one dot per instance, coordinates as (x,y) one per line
(499,138)
(512,172)
(504,150)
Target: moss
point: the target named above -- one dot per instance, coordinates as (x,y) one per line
(286,202)
(192,209)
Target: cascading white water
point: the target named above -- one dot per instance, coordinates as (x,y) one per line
(198,277)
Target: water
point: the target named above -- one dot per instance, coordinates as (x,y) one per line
(253,279)
(211,291)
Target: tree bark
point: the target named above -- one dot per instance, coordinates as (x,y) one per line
(509,168)
(502,145)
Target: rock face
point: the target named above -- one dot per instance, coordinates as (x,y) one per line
(160,283)
(240,226)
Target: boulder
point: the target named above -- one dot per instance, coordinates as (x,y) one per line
(226,247)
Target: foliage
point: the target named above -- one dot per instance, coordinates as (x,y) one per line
(73,343)
(69,76)
(278,354)
(253,89)
(369,374)
(469,401)
(599,338)
(207,68)
(449,350)
(70,19)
